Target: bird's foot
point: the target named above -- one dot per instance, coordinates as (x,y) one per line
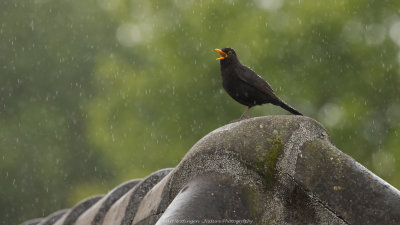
(240,119)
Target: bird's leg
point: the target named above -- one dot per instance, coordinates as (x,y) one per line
(244,114)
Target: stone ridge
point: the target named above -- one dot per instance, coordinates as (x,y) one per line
(265,170)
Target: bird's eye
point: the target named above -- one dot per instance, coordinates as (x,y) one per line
(230,52)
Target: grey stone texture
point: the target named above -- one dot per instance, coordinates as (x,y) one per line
(264,170)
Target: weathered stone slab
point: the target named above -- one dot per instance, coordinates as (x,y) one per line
(265,170)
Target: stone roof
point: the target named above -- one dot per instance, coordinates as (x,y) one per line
(265,170)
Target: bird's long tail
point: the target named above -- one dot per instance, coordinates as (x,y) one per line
(288,108)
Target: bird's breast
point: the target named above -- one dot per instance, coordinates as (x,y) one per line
(240,90)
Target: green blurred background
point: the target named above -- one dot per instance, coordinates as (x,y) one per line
(97,92)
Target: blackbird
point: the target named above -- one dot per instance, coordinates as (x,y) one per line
(244,85)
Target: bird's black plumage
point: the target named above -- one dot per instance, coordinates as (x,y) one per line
(244,85)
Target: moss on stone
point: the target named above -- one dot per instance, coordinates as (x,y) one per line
(272,157)
(253,198)
(268,157)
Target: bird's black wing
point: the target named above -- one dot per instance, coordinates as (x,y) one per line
(253,79)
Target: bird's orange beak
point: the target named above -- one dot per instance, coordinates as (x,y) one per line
(221,53)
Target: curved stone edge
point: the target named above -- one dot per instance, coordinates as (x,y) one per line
(32,222)
(348,188)
(153,203)
(109,200)
(95,214)
(124,209)
(100,207)
(212,198)
(140,192)
(269,158)
(52,218)
(72,214)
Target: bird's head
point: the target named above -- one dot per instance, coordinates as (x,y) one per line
(227,55)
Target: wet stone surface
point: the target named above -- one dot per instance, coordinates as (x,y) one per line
(265,170)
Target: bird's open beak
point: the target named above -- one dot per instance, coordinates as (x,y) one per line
(221,53)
